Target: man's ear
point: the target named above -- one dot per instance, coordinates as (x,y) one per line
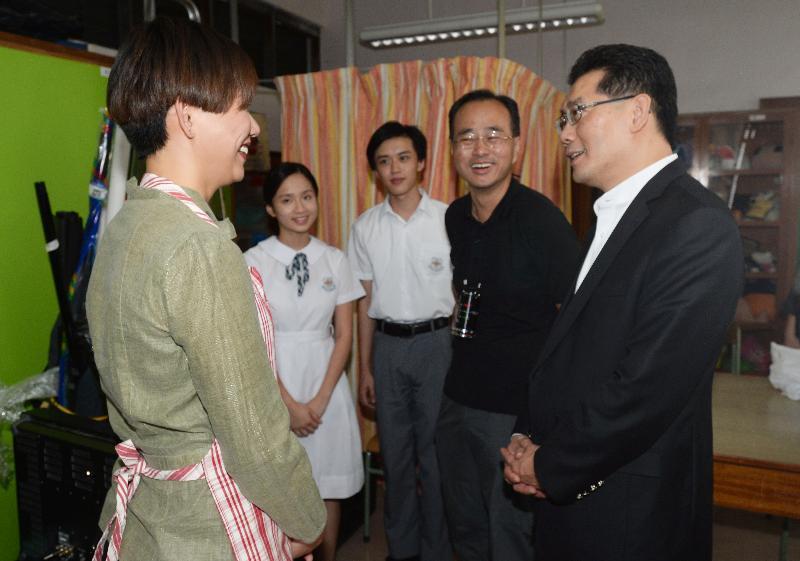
(642,112)
(515,150)
(184,114)
(420,166)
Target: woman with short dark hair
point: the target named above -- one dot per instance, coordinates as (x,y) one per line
(180,326)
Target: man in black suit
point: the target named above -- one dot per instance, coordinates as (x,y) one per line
(617,443)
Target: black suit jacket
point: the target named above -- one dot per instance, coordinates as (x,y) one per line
(620,400)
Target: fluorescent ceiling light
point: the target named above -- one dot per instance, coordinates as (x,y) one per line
(520,20)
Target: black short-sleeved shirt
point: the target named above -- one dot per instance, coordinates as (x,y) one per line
(525,256)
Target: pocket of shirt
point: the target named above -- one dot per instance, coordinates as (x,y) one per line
(434,258)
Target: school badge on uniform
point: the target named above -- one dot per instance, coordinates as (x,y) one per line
(436,264)
(328,284)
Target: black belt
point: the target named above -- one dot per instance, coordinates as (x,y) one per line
(411,329)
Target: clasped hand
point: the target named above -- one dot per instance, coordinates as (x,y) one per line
(304,551)
(518,458)
(305,418)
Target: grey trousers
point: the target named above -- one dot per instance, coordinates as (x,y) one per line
(409,376)
(487,520)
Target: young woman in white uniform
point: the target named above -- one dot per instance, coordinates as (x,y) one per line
(311,290)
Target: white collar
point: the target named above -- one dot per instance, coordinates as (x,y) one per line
(285,254)
(422,206)
(623,193)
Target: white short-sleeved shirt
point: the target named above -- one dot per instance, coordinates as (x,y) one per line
(408,262)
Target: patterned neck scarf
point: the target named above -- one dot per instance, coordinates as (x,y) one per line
(298,267)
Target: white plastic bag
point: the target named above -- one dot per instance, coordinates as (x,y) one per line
(784,373)
(12,404)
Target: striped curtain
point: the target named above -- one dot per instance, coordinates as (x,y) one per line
(328,118)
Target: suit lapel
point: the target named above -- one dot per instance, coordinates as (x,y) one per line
(636,213)
(570,293)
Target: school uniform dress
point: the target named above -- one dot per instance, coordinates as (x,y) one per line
(303,288)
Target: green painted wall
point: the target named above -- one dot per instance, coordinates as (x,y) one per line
(49,127)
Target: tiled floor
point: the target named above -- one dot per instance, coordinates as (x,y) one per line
(738,536)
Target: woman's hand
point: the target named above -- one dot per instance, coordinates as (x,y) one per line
(303,420)
(366,388)
(319,404)
(302,550)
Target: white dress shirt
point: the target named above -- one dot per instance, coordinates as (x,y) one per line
(408,262)
(612,206)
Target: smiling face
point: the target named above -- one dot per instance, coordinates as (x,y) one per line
(294,205)
(222,143)
(597,146)
(482,166)
(397,165)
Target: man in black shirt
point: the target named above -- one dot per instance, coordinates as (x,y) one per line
(518,247)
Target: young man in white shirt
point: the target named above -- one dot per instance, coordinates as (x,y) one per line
(400,252)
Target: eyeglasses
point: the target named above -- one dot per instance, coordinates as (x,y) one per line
(571,115)
(494,140)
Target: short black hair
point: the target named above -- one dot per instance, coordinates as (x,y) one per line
(393,129)
(278,175)
(170,59)
(633,70)
(486,95)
